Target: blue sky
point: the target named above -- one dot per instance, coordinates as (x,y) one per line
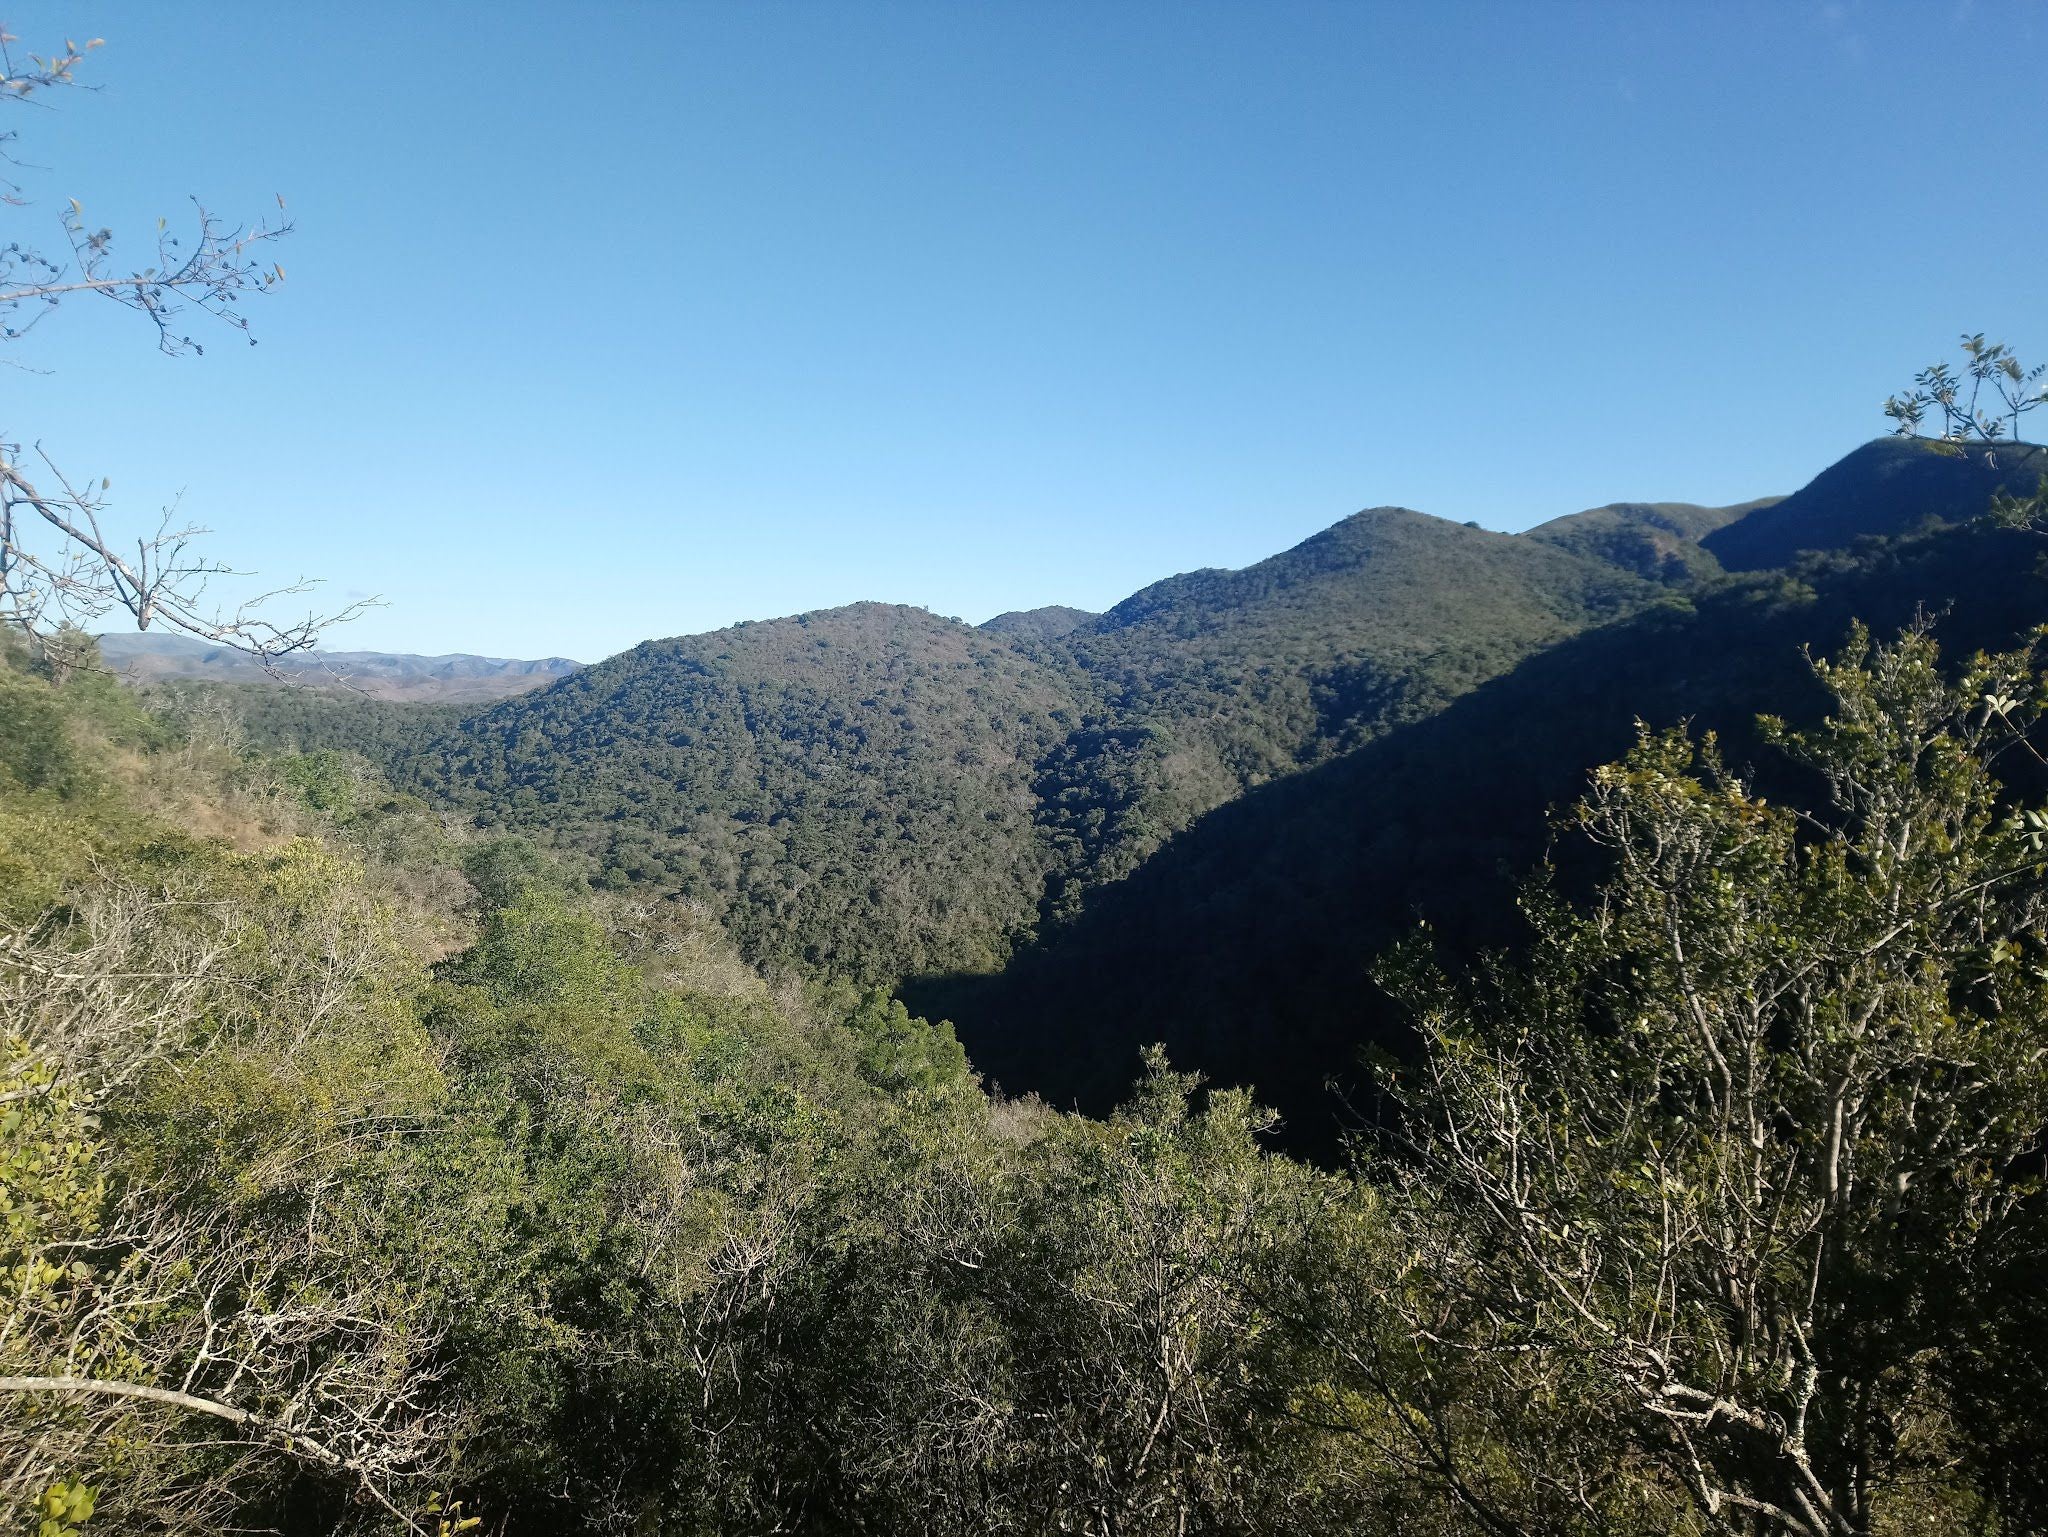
(608,322)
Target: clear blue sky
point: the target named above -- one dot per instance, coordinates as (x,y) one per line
(608,322)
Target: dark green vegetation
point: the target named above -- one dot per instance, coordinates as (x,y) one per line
(874,792)
(850,791)
(1888,487)
(1196,817)
(1190,818)
(1047,623)
(1657,540)
(362,1173)
(1245,944)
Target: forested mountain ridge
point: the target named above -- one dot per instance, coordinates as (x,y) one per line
(1379,617)
(364,1177)
(359,1163)
(1659,541)
(876,792)
(1246,944)
(1888,486)
(1047,623)
(845,789)
(879,793)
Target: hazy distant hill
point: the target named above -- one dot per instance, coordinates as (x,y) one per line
(380,675)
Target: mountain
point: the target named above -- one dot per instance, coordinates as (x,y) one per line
(1385,614)
(1885,488)
(1048,623)
(452,679)
(1246,943)
(1659,541)
(1198,815)
(850,791)
(876,792)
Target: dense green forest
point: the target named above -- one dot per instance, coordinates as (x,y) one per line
(535,1121)
(1246,943)
(1437,1032)
(876,792)
(1194,818)
(367,1171)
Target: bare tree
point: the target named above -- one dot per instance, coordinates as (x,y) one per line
(155,1337)
(62,564)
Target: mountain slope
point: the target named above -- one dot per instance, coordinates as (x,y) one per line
(875,791)
(1246,942)
(849,790)
(1048,623)
(1659,541)
(454,679)
(1887,487)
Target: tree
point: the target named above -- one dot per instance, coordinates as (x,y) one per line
(62,563)
(1717,1175)
(1991,373)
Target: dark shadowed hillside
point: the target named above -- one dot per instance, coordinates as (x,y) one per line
(1887,487)
(1246,943)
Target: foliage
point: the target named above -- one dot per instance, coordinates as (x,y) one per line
(1244,943)
(874,792)
(1718,1167)
(1995,377)
(406,1200)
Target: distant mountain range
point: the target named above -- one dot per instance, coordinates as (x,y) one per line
(456,679)
(1199,816)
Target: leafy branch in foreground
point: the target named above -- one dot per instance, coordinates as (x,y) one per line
(60,565)
(1721,1176)
(1992,375)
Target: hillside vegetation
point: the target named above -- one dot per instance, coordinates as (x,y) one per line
(363,1174)
(874,792)
(878,793)
(1246,943)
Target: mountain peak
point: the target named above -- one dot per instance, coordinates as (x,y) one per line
(1886,487)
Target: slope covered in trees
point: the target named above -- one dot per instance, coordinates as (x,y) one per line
(364,1177)
(1659,541)
(1245,943)
(1887,487)
(849,791)
(874,791)
(880,793)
